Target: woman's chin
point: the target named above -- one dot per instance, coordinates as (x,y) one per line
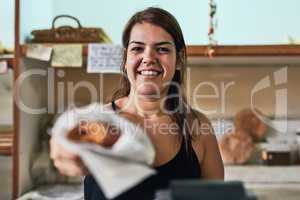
(148,92)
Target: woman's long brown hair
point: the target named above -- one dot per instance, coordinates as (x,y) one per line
(177,104)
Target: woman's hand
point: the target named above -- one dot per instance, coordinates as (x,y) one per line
(66,162)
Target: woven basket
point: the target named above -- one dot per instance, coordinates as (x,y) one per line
(68,34)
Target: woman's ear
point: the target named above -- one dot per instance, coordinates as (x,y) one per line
(124,51)
(124,56)
(178,64)
(179,59)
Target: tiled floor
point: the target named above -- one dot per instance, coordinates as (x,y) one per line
(5,177)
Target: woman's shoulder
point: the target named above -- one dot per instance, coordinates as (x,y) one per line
(199,115)
(198,119)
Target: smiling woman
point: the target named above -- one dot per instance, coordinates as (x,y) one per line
(150,60)
(151,95)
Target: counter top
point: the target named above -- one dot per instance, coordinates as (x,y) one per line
(263,174)
(268,182)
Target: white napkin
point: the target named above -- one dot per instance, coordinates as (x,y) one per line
(115,169)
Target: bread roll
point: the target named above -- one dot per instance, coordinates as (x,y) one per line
(236,147)
(95,132)
(249,121)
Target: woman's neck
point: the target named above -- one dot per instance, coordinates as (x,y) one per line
(145,107)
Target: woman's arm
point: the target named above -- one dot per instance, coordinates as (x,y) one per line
(212,164)
(207,150)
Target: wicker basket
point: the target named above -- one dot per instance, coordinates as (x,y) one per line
(68,34)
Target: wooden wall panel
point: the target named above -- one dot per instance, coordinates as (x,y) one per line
(240,81)
(75,86)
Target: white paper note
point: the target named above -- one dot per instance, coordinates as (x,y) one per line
(39,52)
(3,67)
(104,58)
(67,55)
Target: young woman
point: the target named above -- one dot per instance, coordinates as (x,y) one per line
(151,95)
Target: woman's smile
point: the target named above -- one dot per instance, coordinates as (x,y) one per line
(149,72)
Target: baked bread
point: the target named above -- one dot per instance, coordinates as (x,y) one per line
(236,147)
(100,133)
(249,121)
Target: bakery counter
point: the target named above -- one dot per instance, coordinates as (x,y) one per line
(268,182)
(277,191)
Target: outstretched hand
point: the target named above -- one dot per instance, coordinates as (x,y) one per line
(66,162)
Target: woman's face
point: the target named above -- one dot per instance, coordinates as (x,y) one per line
(151,60)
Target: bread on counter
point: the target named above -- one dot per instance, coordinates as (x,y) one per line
(236,147)
(251,121)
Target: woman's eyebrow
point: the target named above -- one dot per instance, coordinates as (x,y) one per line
(164,43)
(156,44)
(136,42)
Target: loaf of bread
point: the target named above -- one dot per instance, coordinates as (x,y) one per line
(100,133)
(236,147)
(250,122)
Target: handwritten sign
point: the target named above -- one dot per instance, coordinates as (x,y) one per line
(104,58)
(67,55)
(39,52)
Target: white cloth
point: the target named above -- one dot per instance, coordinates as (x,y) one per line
(115,169)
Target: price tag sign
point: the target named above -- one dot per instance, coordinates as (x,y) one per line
(104,58)
(39,52)
(3,67)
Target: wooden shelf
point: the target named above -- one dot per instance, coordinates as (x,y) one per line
(245,54)
(231,54)
(246,50)
(6,143)
(228,50)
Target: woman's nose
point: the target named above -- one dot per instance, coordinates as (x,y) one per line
(149,56)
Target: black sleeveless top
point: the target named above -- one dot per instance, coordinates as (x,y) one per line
(184,165)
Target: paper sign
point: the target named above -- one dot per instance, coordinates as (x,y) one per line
(38,51)
(105,58)
(69,55)
(3,67)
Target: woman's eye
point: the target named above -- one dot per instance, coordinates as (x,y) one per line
(163,50)
(136,49)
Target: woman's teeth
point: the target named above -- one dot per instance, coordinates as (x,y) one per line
(149,73)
